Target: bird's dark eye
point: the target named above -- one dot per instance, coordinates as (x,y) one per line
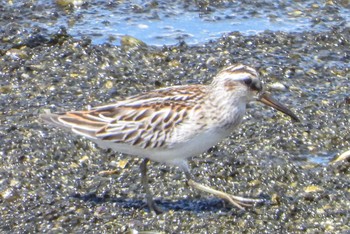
(248,81)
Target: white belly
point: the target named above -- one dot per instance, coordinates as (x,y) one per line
(172,156)
(185,141)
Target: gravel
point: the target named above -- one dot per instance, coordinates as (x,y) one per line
(50,181)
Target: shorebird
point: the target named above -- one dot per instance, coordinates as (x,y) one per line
(170,125)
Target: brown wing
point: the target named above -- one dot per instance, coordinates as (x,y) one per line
(144,120)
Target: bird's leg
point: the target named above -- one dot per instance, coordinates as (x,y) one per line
(237,201)
(144,180)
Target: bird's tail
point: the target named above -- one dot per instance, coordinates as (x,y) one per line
(75,121)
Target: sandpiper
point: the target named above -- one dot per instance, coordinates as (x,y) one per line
(172,124)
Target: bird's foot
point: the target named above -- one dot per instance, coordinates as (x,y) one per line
(237,201)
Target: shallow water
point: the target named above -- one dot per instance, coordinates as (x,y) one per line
(163,23)
(188,27)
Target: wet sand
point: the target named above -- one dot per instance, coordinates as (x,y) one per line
(50,181)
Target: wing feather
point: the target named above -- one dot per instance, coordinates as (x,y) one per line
(145,120)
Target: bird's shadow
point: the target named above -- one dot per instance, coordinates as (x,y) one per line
(188,204)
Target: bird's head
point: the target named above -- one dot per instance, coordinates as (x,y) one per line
(242,82)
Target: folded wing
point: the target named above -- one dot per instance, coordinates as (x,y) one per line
(144,121)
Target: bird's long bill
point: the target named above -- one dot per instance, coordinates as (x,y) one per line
(268,100)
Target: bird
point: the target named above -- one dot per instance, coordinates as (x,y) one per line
(173,124)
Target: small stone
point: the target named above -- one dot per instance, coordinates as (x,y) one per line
(295,13)
(129,42)
(277,86)
(84,159)
(9,195)
(122,163)
(313,189)
(109,84)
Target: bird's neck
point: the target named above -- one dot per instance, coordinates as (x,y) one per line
(228,111)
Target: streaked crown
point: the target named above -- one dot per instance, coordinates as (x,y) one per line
(237,74)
